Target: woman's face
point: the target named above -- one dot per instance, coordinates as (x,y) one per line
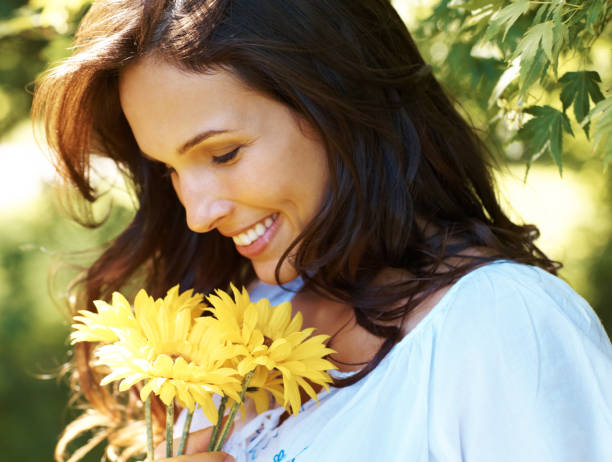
(240,162)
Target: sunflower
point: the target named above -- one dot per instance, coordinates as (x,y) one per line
(268,341)
(163,343)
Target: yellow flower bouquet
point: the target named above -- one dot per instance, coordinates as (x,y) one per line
(184,351)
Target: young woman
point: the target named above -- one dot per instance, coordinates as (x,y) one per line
(303,149)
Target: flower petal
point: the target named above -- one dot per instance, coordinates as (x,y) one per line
(167,392)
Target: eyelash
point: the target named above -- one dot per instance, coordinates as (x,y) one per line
(216,159)
(225,157)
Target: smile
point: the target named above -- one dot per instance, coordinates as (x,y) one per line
(254,232)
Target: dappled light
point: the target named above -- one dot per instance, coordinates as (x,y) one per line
(42,250)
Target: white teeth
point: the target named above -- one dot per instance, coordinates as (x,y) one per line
(251,235)
(242,239)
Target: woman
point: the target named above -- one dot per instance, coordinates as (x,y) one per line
(304,146)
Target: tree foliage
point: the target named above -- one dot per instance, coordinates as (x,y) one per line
(519,47)
(32,35)
(501,56)
(523,66)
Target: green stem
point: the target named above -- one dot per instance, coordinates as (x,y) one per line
(149,423)
(217,427)
(186,428)
(169,428)
(232,414)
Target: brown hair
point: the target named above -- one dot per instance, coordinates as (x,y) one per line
(411,185)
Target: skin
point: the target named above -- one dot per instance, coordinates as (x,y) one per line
(195,450)
(279,169)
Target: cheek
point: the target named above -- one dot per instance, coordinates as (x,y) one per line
(266,174)
(287,172)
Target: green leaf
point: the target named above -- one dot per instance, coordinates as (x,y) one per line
(536,36)
(602,128)
(532,67)
(560,38)
(544,133)
(535,51)
(505,18)
(577,88)
(538,16)
(593,12)
(546,30)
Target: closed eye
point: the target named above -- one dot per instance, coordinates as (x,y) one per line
(225,157)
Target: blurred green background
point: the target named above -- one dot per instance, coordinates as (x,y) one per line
(41,249)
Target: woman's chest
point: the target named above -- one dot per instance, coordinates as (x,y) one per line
(356,423)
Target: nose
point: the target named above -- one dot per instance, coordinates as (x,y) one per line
(202,197)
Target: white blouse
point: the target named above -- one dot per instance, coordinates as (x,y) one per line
(511,365)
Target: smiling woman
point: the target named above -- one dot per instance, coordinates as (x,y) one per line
(240,162)
(302,148)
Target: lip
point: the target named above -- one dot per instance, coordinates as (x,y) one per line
(260,244)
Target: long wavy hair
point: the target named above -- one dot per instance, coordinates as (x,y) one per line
(411,184)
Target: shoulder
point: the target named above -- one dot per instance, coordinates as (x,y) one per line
(517,318)
(511,315)
(521,357)
(505,298)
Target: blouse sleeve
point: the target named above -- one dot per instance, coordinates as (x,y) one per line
(522,372)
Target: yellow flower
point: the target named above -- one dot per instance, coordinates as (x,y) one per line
(111,318)
(262,383)
(164,343)
(269,341)
(102,326)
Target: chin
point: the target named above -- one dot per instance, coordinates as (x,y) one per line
(266,273)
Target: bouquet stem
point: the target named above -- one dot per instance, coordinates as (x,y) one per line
(149,423)
(186,427)
(215,431)
(169,428)
(232,414)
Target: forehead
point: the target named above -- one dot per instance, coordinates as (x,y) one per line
(165,105)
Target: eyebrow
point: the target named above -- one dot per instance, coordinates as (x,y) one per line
(200,138)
